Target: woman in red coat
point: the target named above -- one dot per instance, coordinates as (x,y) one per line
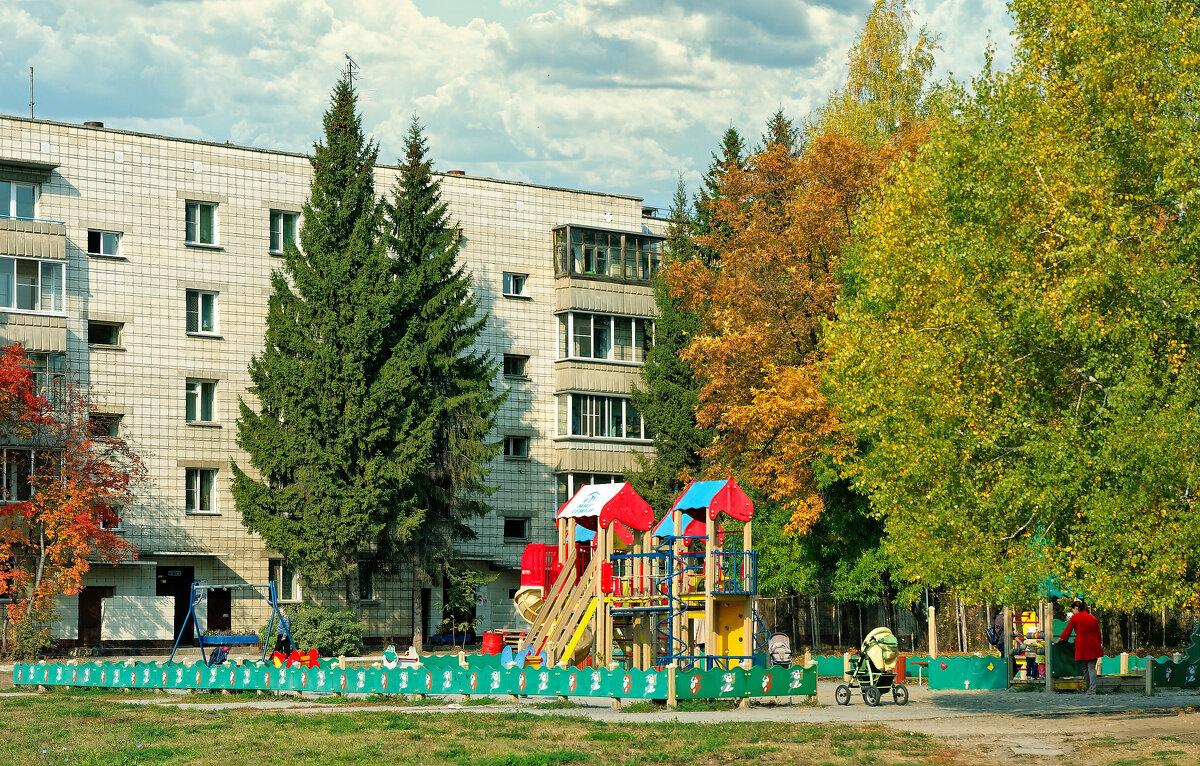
(1087,641)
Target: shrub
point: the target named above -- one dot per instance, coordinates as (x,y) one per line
(28,640)
(329,631)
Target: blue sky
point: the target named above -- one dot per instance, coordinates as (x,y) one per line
(609,95)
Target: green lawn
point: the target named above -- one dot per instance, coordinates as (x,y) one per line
(100,729)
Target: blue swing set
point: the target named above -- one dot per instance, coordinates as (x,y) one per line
(215,649)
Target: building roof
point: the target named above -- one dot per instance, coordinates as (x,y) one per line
(283,153)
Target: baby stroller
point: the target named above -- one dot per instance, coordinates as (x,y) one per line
(874,671)
(779,650)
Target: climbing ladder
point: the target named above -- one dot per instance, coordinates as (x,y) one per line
(564,616)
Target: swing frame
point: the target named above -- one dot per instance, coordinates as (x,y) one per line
(214,644)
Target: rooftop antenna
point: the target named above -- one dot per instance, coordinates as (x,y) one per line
(351,69)
(31,93)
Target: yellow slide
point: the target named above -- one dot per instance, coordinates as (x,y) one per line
(529,602)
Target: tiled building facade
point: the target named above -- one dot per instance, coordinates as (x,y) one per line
(141,264)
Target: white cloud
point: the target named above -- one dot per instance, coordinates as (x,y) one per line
(613,95)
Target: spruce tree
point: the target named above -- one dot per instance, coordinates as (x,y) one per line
(781,131)
(669,395)
(731,158)
(337,438)
(439,325)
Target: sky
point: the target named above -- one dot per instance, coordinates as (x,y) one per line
(619,96)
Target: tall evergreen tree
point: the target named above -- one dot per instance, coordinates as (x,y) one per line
(338,437)
(781,131)
(669,394)
(439,324)
(730,158)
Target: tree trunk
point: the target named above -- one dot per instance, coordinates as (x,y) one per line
(353,599)
(418,616)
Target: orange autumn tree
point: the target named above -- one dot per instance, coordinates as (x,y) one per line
(783,222)
(53,529)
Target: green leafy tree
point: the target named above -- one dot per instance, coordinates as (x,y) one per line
(437,329)
(669,394)
(460,598)
(1016,344)
(338,435)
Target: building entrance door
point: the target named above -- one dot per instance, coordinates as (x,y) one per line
(177,582)
(220,610)
(89,613)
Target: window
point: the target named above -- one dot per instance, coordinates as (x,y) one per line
(18,200)
(200,397)
(201,223)
(516,447)
(15,485)
(103,333)
(110,518)
(287,581)
(514,285)
(567,484)
(599,417)
(601,336)
(30,285)
(611,254)
(366,580)
(201,312)
(516,366)
(104,426)
(104,243)
(198,497)
(49,377)
(283,230)
(516,528)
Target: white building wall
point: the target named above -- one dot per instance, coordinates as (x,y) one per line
(138,185)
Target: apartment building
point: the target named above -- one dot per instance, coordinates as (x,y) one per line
(140,266)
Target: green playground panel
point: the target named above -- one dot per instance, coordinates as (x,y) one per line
(1184,674)
(967,673)
(434,675)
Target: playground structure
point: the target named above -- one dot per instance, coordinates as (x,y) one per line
(214,649)
(675,595)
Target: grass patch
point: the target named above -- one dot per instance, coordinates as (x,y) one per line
(106,732)
(555,705)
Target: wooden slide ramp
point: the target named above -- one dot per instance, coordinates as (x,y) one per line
(561,622)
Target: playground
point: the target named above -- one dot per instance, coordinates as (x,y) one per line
(619,608)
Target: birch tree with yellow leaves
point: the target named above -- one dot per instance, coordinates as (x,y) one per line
(1015,345)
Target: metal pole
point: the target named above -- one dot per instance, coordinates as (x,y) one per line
(31,93)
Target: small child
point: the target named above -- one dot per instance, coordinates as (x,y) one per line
(1032,646)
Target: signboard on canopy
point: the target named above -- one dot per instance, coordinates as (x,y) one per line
(608,503)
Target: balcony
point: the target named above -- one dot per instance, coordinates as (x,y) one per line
(33,238)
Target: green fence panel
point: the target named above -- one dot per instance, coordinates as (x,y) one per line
(967,673)
(440,677)
(830,665)
(780,681)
